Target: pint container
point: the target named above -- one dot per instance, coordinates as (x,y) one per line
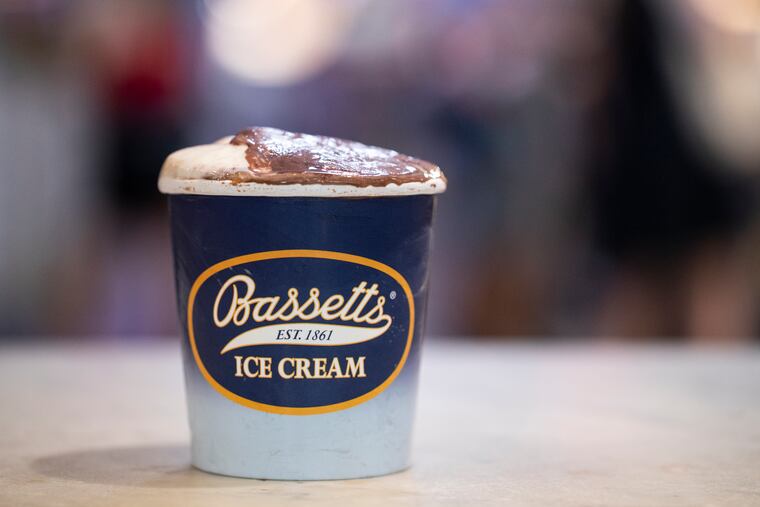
(303,319)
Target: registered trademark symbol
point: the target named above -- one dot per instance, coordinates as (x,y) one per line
(393,294)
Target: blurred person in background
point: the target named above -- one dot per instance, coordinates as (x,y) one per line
(93,96)
(138,56)
(671,211)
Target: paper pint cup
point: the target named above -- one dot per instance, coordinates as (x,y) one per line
(303,320)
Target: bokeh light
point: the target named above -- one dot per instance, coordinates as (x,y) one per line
(275,43)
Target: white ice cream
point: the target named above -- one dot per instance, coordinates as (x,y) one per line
(206,170)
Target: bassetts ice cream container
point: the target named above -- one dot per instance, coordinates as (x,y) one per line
(302,273)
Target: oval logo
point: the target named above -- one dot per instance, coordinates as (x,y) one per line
(300,332)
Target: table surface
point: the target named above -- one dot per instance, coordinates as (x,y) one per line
(497,424)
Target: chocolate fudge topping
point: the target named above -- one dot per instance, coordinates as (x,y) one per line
(279,157)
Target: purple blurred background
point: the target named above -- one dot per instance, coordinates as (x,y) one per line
(603,156)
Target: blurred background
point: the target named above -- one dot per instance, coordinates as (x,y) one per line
(603,155)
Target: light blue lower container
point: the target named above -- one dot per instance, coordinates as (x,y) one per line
(363,441)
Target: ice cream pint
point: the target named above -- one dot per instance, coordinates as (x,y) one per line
(301,274)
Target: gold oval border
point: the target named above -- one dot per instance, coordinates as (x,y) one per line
(288,254)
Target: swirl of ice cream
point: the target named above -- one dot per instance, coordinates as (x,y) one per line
(272,162)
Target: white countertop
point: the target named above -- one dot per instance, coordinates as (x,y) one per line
(498,424)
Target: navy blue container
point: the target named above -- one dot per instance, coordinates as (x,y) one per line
(303,320)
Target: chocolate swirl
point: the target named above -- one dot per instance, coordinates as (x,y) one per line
(279,157)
